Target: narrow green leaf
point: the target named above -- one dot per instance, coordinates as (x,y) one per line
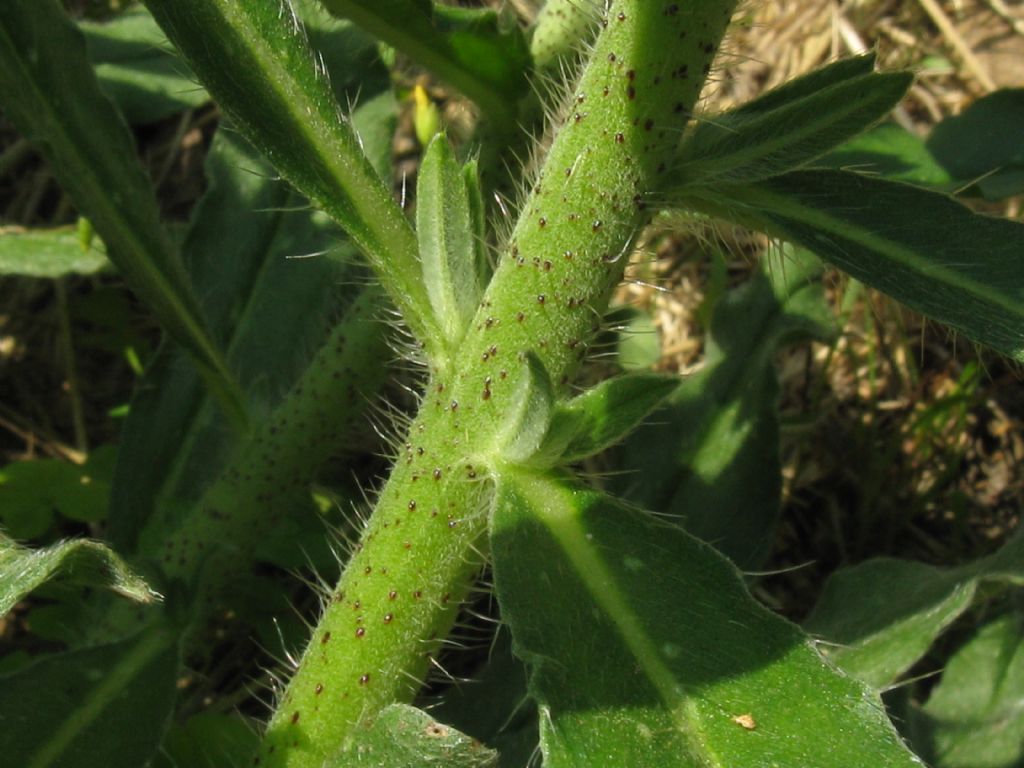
(983,144)
(83,562)
(646,650)
(813,82)
(478,218)
(49,91)
(605,414)
(403,736)
(782,131)
(974,717)
(922,248)
(880,617)
(471,49)
(892,152)
(138,70)
(257,64)
(447,241)
(521,435)
(47,253)
(710,457)
(104,707)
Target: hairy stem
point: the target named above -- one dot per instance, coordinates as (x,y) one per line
(267,479)
(422,547)
(270,473)
(562,27)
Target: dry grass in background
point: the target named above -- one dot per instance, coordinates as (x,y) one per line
(900,439)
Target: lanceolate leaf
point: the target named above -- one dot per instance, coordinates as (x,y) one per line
(261,70)
(48,89)
(47,253)
(882,616)
(893,153)
(807,85)
(406,737)
(974,717)
(646,649)
(104,707)
(785,130)
(920,247)
(445,229)
(137,68)
(710,456)
(85,562)
(982,144)
(607,413)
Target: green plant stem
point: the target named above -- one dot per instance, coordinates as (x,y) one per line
(211,548)
(68,348)
(14,155)
(562,28)
(422,547)
(256,62)
(268,478)
(562,31)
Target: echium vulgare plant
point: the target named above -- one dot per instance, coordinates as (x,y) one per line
(633,638)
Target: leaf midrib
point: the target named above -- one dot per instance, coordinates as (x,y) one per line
(789,206)
(763,151)
(558,515)
(112,686)
(371,205)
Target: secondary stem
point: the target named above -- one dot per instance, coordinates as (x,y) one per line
(254,59)
(420,552)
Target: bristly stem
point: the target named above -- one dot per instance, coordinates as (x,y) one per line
(265,481)
(561,29)
(206,552)
(422,548)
